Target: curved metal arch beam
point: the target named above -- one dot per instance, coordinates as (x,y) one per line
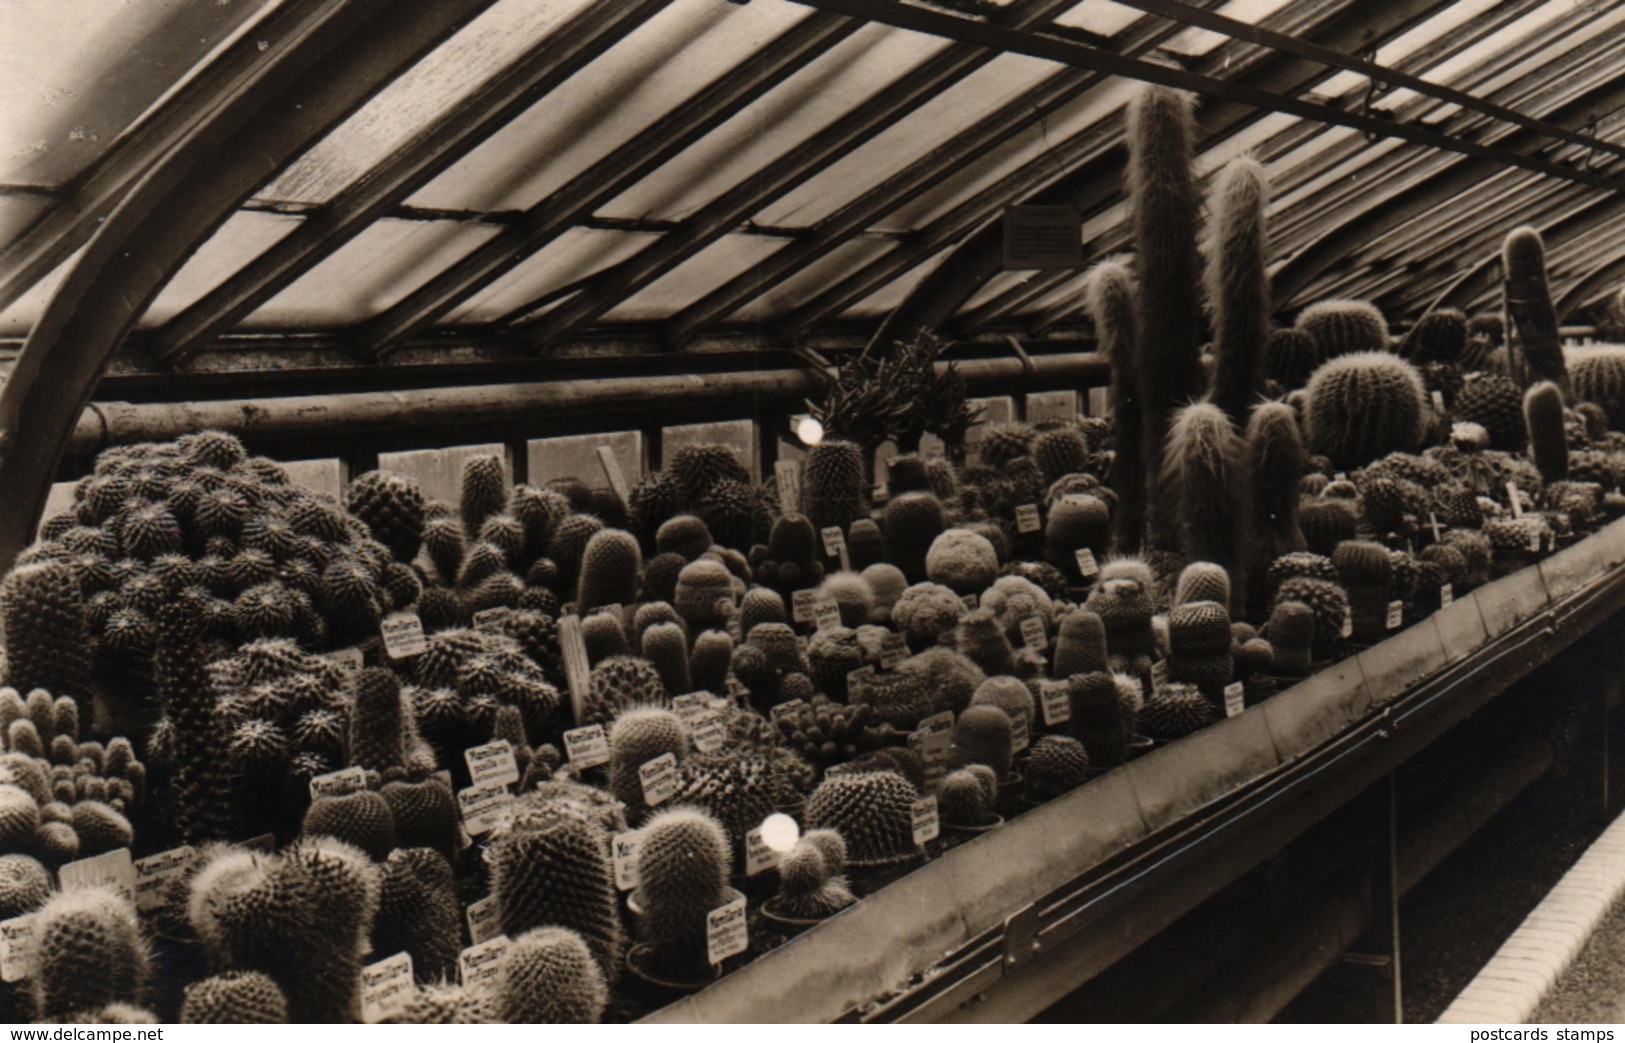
(310,81)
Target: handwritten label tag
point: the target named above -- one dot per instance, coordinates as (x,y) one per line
(1234,698)
(709,735)
(586,747)
(1447,595)
(613,473)
(492,762)
(787,475)
(1433,523)
(1033,634)
(788,710)
(339,783)
(1027,518)
(1515,499)
(1438,401)
(758,856)
(725,932)
(933,749)
(801,606)
(112,869)
(1056,703)
(834,540)
(827,615)
(347,659)
(482,806)
(403,635)
(484,919)
(692,707)
(893,651)
(386,988)
(17,948)
(480,964)
(624,848)
(660,779)
(153,874)
(1348,623)
(927,825)
(937,723)
(1396,614)
(1020,729)
(491,619)
(970,600)
(1088,567)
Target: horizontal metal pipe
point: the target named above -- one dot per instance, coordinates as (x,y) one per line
(115,423)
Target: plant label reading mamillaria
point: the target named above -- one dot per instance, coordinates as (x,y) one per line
(835,545)
(586,747)
(660,779)
(788,709)
(1057,704)
(893,650)
(624,852)
(1234,698)
(480,965)
(787,474)
(153,874)
(709,735)
(725,933)
(692,707)
(386,988)
(482,806)
(347,659)
(932,748)
(1033,634)
(17,947)
(403,635)
(1020,729)
(801,605)
(339,783)
(1396,614)
(828,615)
(1088,567)
(112,869)
(938,722)
(758,856)
(612,472)
(492,762)
(491,619)
(1027,518)
(1447,595)
(484,920)
(927,825)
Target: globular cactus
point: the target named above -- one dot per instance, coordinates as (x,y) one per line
(1080,646)
(1112,306)
(684,863)
(1060,452)
(1238,288)
(485,492)
(949,677)
(833,484)
(362,818)
(1199,639)
(1203,581)
(1206,472)
(850,591)
(1438,336)
(418,912)
(1176,710)
(698,468)
(1342,327)
(548,977)
(424,814)
(911,523)
(392,507)
(1548,441)
(872,812)
(1326,523)
(1367,574)
(1055,765)
(1291,632)
(1164,206)
(1002,444)
(47,644)
(604,637)
(926,611)
(961,560)
(964,800)
(979,637)
(638,736)
(1495,403)
(1327,601)
(982,735)
(1076,521)
(88,952)
(1099,719)
(234,998)
(1125,608)
(1529,306)
(811,884)
(705,594)
(1597,374)
(1363,406)
(1290,356)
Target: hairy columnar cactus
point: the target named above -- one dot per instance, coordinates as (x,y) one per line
(1275,451)
(1112,305)
(1548,441)
(1537,354)
(548,977)
(89,952)
(1205,467)
(1238,285)
(684,862)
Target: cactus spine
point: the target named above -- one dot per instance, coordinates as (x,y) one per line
(1238,285)
(1112,304)
(1206,467)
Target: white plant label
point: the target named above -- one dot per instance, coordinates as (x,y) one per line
(481,964)
(1020,728)
(1234,701)
(482,806)
(758,856)
(1515,499)
(339,783)
(1088,567)
(1027,518)
(153,874)
(827,615)
(787,474)
(834,541)
(484,920)
(709,735)
(937,723)
(403,635)
(1447,595)
(725,931)
(660,779)
(1057,704)
(1438,401)
(927,825)
(347,659)
(801,606)
(1534,542)
(112,869)
(386,988)
(624,846)
(492,762)
(692,707)
(893,651)
(587,747)
(788,710)
(1033,634)
(17,948)
(1348,623)
(491,619)
(1396,614)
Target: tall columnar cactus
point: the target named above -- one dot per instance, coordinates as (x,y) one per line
(684,862)
(833,483)
(1238,285)
(377,736)
(485,492)
(610,567)
(666,646)
(548,977)
(1275,451)
(1205,469)
(1168,320)
(1538,353)
(1548,439)
(1099,719)
(89,952)
(1112,306)
(46,641)
(1367,574)
(1363,406)
(1199,641)
(1080,647)
(186,694)
(910,523)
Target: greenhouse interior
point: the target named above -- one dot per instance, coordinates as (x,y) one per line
(796,443)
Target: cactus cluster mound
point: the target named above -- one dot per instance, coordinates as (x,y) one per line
(812,884)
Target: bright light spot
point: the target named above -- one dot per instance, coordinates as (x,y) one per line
(780,832)
(810,431)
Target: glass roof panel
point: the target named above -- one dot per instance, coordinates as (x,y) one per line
(471,56)
(700,274)
(18,319)
(888,297)
(242,238)
(1450,70)
(575,254)
(75,74)
(814,279)
(1100,16)
(1194,42)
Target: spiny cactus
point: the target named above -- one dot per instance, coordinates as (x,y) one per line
(548,977)
(1055,765)
(684,862)
(47,645)
(1076,521)
(1099,719)
(391,506)
(1438,336)
(1176,710)
(961,560)
(638,736)
(911,522)
(872,812)
(1238,284)
(1548,441)
(1290,356)
(418,912)
(1203,581)
(1597,374)
(1113,307)
(964,800)
(811,885)
(833,484)
(362,818)
(485,492)
(377,737)
(1276,456)
(982,736)
(1364,405)
(705,594)
(1367,574)
(698,468)
(88,952)
(1080,646)
(1539,354)
(424,813)
(1291,631)
(1205,469)
(1342,327)
(1495,402)
(234,998)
